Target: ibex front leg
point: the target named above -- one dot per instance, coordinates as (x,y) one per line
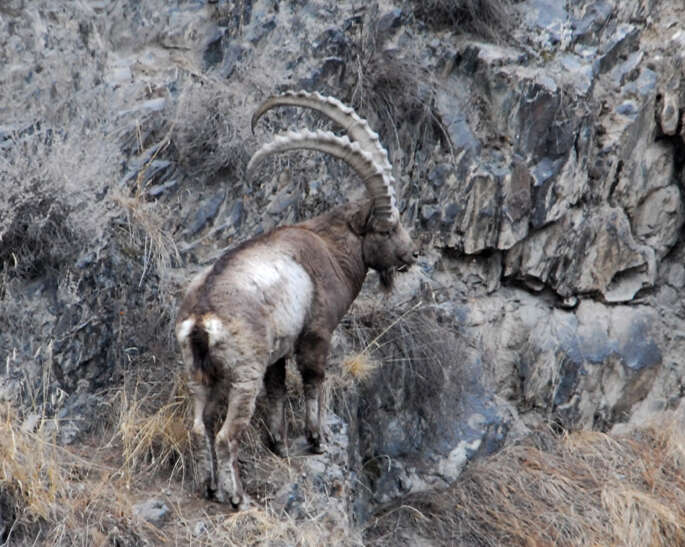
(311,361)
(274,382)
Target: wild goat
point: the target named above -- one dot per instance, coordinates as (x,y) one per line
(283,294)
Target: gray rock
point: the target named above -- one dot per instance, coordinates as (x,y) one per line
(418,433)
(549,255)
(624,41)
(158,189)
(200,528)
(593,18)
(453,117)
(659,219)
(330,43)
(154,511)
(676,275)
(206,213)
(389,21)
(234,55)
(578,72)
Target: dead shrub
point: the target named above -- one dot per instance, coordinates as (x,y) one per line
(37,238)
(206,142)
(398,92)
(485,18)
(417,344)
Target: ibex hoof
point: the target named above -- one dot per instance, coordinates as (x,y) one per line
(279,448)
(208,491)
(316,445)
(239,502)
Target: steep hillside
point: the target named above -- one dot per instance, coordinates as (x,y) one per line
(525,378)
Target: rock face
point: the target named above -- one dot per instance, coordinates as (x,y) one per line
(542,173)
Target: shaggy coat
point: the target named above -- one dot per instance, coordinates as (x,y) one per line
(282,294)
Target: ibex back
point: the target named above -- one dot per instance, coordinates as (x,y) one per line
(283,294)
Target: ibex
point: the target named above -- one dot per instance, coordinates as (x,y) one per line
(282,294)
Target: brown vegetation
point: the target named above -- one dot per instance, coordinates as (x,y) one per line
(585,488)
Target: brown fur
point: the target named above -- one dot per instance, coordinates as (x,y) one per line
(238,351)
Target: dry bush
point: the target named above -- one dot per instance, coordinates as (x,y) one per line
(416,343)
(36,238)
(145,234)
(261,527)
(206,142)
(399,93)
(486,18)
(585,488)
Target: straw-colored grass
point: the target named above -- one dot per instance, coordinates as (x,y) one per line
(585,488)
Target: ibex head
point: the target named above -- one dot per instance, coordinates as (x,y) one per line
(387,246)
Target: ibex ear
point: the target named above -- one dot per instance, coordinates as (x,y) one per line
(381,224)
(361,221)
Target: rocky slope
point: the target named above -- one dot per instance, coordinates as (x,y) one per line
(538,146)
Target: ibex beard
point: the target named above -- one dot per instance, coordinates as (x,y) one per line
(282,294)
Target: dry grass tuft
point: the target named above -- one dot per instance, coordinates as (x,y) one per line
(417,344)
(257,526)
(154,438)
(203,133)
(30,470)
(359,366)
(585,488)
(146,233)
(485,18)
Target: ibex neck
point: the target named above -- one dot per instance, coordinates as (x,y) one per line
(337,228)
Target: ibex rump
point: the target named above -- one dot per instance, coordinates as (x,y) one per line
(283,293)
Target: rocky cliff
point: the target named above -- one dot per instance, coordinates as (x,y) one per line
(538,146)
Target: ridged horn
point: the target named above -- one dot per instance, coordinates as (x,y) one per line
(378,185)
(356,127)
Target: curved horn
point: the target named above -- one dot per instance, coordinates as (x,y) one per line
(377,183)
(355,126)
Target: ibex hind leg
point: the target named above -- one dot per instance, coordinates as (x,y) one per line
(274,383)
(203,439)
(241,405)
(207,464)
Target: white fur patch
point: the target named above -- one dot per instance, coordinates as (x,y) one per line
(183,329)
(283,288)
(214,327)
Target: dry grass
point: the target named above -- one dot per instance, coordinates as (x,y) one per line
(486,18)
(146,233)
(361,365)
(56,496)
(51,495)
(206,142)
(399,93)
(417,344)
(154,438)
(586,488)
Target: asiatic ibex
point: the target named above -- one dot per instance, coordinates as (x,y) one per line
(283,293)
